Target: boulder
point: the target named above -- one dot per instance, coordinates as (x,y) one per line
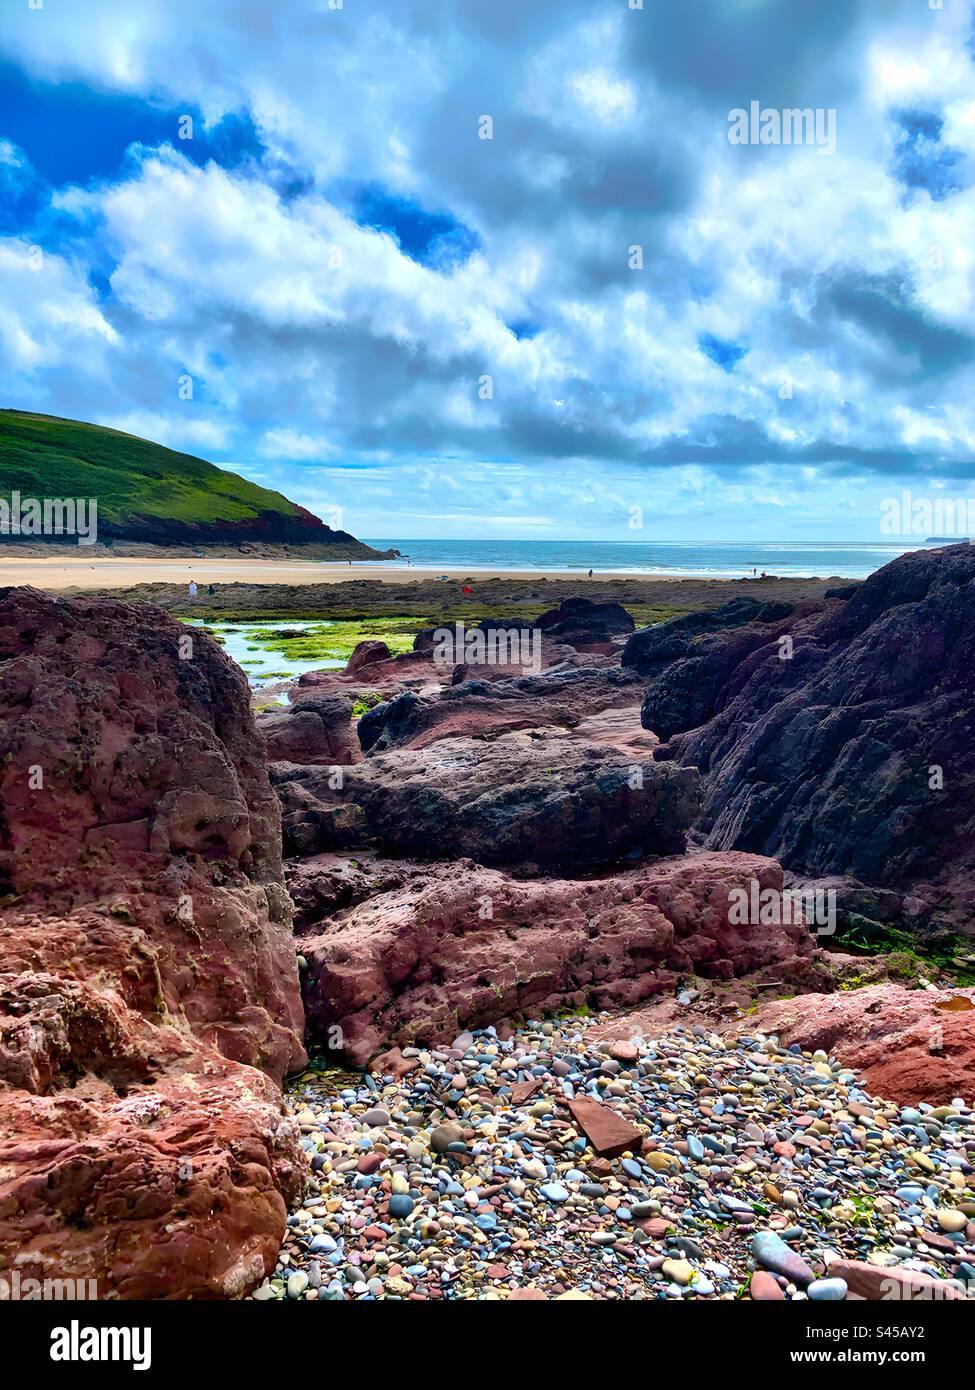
(149,1000)
(583,622)
(319,731)
(463,946)
(367,653)
(515,799)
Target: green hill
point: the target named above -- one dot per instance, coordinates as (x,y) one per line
(148,493)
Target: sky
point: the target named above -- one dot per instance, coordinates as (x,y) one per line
(483,268)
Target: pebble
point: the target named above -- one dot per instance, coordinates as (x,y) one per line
(761,1167)
(827,1290)
(952,1220)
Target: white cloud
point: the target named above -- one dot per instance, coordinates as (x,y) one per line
(311,338)
(292,444)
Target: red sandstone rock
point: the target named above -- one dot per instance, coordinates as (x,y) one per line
(369,668)
(764,1287)
(367,653)
(524,1090)
(907,1047)
(318,731)
(892,1283)
(461,946)
(608,1133)
(146,964)
(654,1226)
(579,689)
(325,883)
(394,1064)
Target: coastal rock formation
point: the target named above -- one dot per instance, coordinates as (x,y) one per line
(581,620)
(369,668)
(517,799)
(148,992)
(911,1045)
(317,731)
(460,945)
(562,698)
(326,883)
(653,648)
(588,626)
(687,694)
(854,755)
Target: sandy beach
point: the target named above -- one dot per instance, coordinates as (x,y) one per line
(79,572)
(251,587)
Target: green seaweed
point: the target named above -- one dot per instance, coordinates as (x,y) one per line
(907,954)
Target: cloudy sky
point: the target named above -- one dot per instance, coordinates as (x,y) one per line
(339,288)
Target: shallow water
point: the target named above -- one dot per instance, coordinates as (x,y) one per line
(245,643)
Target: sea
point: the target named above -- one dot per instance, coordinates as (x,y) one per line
(723,560)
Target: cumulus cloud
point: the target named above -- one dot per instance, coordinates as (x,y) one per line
(605,305)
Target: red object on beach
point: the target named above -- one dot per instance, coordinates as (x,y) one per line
(467,589)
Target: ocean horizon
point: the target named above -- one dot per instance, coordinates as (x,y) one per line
(717,560)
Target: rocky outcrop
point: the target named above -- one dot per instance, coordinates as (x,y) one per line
(585,624)
(148,993)
(853,755)
(687,694)
(911,1045)
(559,698)
(327,883)
(517,799)
(461,945)
(318,731)
(652,648)
(369,668)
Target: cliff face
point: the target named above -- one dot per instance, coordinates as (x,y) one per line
(842,742)
(149,1003)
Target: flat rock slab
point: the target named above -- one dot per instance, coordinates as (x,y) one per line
(886,1282)
(607,1132)
(524,1090)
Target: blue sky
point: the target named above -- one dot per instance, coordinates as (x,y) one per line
(271,236)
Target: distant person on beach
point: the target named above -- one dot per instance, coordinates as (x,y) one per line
(590,574)
(211,589)
(192,588)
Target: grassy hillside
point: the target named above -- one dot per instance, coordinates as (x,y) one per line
(146,492)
